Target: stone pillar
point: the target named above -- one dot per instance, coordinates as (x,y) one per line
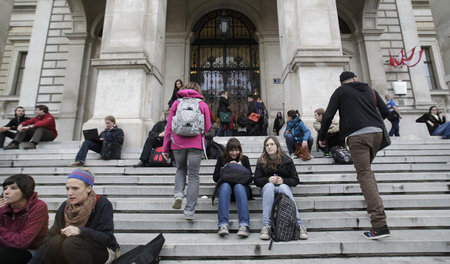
(375,63)
(129,78)
(72,84)
(35,57)
(311,54)
(6,8)
(411,39)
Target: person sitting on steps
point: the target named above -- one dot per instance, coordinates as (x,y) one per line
(155,139)
(111,133)
(275,173)
(10,129)
(42,127)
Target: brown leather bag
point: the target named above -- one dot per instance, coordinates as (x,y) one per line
(302,152)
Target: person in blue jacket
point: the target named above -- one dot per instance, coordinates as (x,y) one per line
(296,132)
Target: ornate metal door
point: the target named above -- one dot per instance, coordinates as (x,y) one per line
(226,58)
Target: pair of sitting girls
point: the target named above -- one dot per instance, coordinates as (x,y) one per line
(83,229)
(275,173)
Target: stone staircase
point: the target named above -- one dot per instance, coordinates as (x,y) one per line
(413,177)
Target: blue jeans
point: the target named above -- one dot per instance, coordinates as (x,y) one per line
(395,128)
(290,143)
(443,130)
(268,197)
(224,130)
(240,193)
(85,147)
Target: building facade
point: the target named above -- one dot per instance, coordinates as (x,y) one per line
(89,59)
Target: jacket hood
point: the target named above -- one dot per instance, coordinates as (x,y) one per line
(189,93)
(362,87)
(30,201)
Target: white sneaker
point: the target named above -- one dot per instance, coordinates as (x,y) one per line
(177,203)
(223,230)
(303,232)
(265,233)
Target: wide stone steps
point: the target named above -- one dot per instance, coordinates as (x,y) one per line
(325,243)
(413,178)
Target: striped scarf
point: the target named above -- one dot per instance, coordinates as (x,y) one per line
(78,215)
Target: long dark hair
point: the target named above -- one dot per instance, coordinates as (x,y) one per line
(175,91)
(429,110)
(265,160)
(232,144)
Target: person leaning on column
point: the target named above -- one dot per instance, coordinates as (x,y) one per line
(361,125)
(42,127)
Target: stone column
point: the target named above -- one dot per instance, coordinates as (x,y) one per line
(375,63)
(72,84)
(311,55)
(411,39)
(6,8)
(129,78)
(35,57)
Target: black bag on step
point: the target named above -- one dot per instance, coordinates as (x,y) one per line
(157,159)
(214,149)
(148,254)
(341,155)
(284,219)
(111,150)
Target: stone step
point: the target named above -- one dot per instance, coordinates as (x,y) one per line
(322,260)
(314,221)
(300,190)
(310,203)
(324,243)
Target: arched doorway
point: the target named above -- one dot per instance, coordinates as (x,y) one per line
(225,58)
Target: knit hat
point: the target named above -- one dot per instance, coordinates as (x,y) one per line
(83,175)
(346,75)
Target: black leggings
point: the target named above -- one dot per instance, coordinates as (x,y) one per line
(74,250)
(9,255)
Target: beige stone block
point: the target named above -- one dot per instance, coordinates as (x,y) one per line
(388,21)
(61,10)
(55,56)
(51,89)
(391,14)
(61,64)
(53,72)
(46,81)
(381,14)
(64,48)
(51,48)
(397,44)
(57,17)
(67,17)
(43,98)
(60,3)
(54,33)
(422,12)
(391,36)
(385,44)
(61,25)
(387,6)
(56,98)
(395,29)
(57,40)
(49,64)
(59,80)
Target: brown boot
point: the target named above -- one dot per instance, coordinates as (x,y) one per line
(12,145)
(30,145)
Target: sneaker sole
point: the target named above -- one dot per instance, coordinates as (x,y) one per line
(177,204)
(264,237)
(242,234)
(377,237)
(190,218)
(222,234)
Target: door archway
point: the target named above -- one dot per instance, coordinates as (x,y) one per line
(226,59)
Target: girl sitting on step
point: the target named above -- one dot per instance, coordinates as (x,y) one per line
(83,230)
(275,173)
(238,189)
(23,220)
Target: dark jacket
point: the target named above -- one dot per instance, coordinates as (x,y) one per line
(99,228)
(251,107)
(114,134)
(15,122)
(285,170)
(429,117)
(278,123)
(224,104)
(356,104)
(24,228)
(159,127)
(46,121)
(219,165)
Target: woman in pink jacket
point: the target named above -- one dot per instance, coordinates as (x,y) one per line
(23,220)
(187,149)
